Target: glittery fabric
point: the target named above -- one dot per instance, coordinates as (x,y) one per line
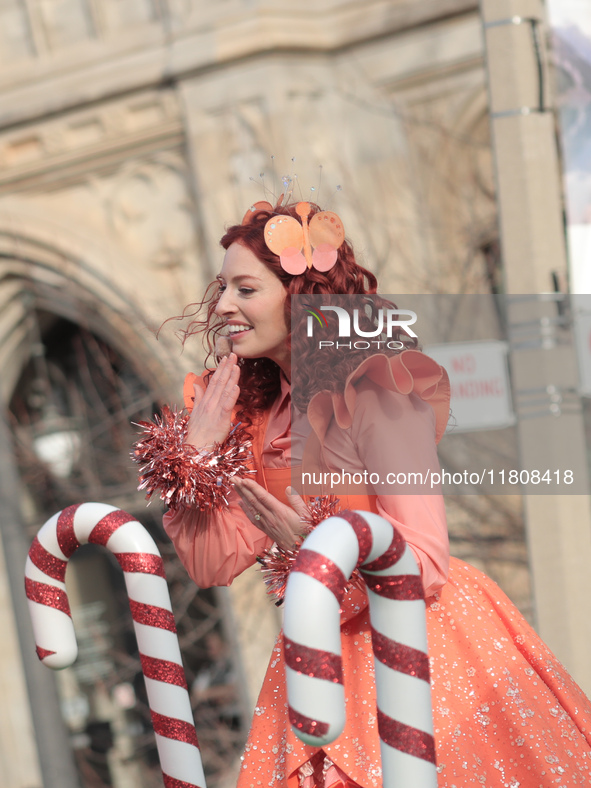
(399,657)
(313,772)
(141,562)
(322,772)
(390,557)
(163,670)
(43,652)
(313,662)
(406,738)
(362,531)
(47,595)
(171,728)
(322,569)
(105,528)
(170,782)
(409,587)
(52,566)
(506,713)
(152,616)
(307,725)
(66,537)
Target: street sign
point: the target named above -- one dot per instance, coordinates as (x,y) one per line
(479,379)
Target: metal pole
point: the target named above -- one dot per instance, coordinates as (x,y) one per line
(54,751)
(534,253)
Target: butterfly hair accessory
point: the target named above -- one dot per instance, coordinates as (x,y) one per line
(320,238)
(262,205)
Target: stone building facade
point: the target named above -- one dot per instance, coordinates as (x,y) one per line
(133,131)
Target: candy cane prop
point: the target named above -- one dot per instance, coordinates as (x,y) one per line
(312,642)
(155,629)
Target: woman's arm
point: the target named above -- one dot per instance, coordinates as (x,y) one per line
(215,547)
(394,433)
(421,520)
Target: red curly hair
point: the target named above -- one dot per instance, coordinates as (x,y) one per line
(260,378)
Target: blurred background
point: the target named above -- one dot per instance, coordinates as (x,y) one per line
(454,140)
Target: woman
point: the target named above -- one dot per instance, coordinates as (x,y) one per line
(505,712)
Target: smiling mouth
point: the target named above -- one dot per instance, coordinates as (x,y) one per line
(238,330)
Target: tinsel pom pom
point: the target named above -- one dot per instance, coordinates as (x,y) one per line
(276,562)
(183,474)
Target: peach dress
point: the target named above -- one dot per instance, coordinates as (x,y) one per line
(506,713)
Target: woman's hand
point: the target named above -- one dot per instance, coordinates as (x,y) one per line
(281,523)
(211,417)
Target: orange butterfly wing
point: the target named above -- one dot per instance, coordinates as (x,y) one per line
(285,237)
(326,235)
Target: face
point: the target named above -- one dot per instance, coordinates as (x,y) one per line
(252,304)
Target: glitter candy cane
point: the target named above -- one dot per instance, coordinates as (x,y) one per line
(155,629)
(312,642)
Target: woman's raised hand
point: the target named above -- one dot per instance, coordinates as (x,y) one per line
(283,524)
(211,418)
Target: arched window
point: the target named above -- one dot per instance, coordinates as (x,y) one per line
(72,411)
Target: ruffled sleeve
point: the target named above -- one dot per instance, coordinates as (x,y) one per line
(387,422)
(410,372)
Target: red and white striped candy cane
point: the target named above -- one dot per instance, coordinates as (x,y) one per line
(312,642)
(155,629)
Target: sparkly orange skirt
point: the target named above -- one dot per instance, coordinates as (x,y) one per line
(506,713)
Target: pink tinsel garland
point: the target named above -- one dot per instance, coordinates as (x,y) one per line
(276,562)
(183,474)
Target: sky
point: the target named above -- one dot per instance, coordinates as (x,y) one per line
(563,13)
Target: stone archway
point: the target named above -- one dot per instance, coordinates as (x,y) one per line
(49,267)
(78,366)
